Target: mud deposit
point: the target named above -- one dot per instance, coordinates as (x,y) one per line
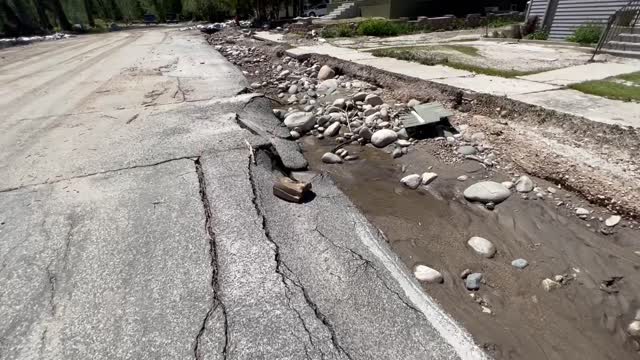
(581,320)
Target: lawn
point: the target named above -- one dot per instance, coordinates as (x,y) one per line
(430,56)
(623,87)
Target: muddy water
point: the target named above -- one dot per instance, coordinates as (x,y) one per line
(431,226)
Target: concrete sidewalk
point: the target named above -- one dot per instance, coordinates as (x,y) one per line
(546,89)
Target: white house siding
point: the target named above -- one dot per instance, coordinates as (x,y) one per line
(570,14)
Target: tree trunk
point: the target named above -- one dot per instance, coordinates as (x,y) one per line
(58,10)
(42,16)
(88,8)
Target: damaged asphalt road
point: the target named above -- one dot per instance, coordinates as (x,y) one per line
(134,222)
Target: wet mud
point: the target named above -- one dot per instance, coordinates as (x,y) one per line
(584,319)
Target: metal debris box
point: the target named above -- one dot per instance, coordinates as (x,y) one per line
(425,114)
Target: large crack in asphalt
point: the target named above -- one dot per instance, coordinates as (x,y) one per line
(366,264)
(216,302)
(280,265)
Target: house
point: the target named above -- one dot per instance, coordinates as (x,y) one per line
(561,17)
(413,9)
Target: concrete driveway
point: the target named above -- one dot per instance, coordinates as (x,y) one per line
(135,224)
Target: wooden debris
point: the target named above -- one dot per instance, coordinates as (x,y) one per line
(291,190)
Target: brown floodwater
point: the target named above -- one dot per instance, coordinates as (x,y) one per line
(431,226)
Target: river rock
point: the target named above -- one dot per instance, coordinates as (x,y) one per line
(339,103)
(428,177)
(463,178)
(397,152)
(373,100)
(293,89)
(482,246)
(402,134)
(303,120)
(550,285)
(520,263)
(467,150)
(326,73)
(359,96)
(328,86)
(507,184)
(331,158)
(332,130)
(365,133)
(472,282)
(404,143)
(412,181)
(427,274)
(413,102)
(612,221)
(582,212)
(524,184)
(634,328)
(487,191)
(382,138)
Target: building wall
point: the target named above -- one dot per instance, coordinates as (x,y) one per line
(570,14)
(375,8)
(537,8)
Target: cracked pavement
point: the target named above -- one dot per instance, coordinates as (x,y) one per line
(135,224)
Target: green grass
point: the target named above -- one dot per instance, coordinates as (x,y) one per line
(502,22)
(465,49)
(382,28)
(612,90)
(433,58)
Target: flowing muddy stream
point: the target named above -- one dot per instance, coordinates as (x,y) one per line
(581,320)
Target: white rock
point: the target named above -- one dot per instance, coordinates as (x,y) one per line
(551,190)
(428,177)
(427,274)
(328,86)
(373,100)
(339,103)
(413,102)
(411,181)
(332,130)
(482,246)
(524,184)
(404,143)
(326,73)
(582,212)
(487,191)
(463,178)
(331,158)
(302,120)
(293,89)
(634,328)
(550,285)
(382,138)
(507,184)
(613,220)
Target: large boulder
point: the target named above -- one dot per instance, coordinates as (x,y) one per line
(303,120)
(326,73)
(487,191)
(382,138)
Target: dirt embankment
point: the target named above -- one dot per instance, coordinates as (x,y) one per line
(573,162)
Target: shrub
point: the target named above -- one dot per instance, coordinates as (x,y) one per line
(539,35)
(342,30)
(586,34)
(381,27)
